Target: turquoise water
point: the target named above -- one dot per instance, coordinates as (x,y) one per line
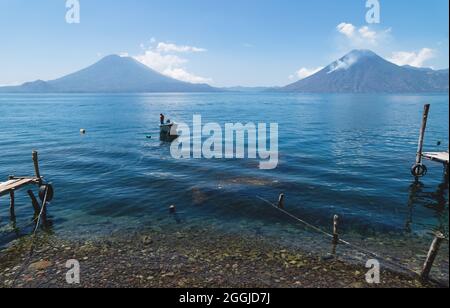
(339,154)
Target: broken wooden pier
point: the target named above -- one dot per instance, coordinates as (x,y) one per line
(419,169)
(13,184)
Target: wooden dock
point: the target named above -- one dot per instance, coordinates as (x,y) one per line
(440,157)
(419,169)
(14,183)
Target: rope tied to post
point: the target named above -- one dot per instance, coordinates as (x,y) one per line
(341,241)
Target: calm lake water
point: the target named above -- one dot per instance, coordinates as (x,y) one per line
(339,154)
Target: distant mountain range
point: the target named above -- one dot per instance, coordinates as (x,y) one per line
(248,89)
(360,71)
(363,71)
(112,74)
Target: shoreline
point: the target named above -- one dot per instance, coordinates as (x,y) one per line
(195,258)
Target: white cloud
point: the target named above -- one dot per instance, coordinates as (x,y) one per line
(368,34)
(305,72)
(363,37)
(169,47)
(413,58)
(160,62)
(347,29)
(368,37)
(161,58)
(181,74)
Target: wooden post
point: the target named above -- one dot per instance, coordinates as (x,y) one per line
(422,134)
(446,173)
(36,166)
(11,204)
(335,230)
(281,201)
(432,254)
(34,202)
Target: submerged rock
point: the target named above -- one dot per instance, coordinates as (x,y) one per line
(40,265)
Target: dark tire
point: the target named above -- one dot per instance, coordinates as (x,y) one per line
(50,192)
(419,170)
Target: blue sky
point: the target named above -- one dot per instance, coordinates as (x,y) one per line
(223,42)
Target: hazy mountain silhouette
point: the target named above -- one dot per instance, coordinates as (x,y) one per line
(360,71)
(363,71)
(111,74)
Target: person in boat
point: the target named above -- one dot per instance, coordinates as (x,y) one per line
(161,117)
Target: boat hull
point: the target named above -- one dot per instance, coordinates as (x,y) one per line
(168,131)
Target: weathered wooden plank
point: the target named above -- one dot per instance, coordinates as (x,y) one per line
(12,203)
(442,157)
(34,202)
(422,134)
(432,254)
(36,166)
(6,187)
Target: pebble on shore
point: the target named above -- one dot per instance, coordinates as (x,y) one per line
(199,258)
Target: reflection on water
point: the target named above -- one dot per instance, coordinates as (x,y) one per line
(13,230)
(437,201)
(166,139)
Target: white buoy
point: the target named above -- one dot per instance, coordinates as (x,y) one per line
(82,131)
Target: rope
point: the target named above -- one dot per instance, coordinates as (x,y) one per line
(360,249)
(38,220)
(296,218)
(44,203)
(35,221)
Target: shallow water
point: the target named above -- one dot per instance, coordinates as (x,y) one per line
(339,154)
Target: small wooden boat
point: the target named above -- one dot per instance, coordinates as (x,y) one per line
(168,131)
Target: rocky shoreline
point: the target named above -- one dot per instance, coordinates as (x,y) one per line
(195,258)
